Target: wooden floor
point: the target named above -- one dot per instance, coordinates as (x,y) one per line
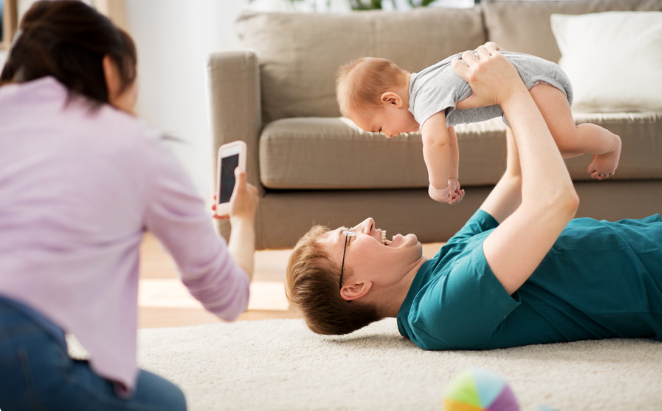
(163,301)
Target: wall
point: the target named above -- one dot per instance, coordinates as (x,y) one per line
(174,38)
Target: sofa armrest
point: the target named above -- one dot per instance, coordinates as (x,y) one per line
(234,105)
(234,109)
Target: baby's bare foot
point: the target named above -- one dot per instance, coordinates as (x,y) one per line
(604,165)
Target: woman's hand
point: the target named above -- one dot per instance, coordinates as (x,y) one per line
(492,78)
(243,202)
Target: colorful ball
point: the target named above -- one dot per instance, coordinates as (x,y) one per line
(479,390)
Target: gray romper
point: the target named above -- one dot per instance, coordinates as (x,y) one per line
(437,88)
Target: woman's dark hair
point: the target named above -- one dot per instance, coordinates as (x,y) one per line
(68,40)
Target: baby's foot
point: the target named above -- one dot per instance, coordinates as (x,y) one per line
(604,165)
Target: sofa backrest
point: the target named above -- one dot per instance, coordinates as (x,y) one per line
(299,54)
(524,26)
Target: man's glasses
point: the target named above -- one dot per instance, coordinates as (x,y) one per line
(348,234)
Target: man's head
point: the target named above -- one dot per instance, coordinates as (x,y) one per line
(374,93)
(376,276)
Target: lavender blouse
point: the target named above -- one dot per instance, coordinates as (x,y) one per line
(78,189)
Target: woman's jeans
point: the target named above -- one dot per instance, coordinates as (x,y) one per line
(37,374)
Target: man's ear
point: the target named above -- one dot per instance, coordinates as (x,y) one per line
(391,98)
(355,291)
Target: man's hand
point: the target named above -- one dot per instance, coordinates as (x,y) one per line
(490,46)
(481,69)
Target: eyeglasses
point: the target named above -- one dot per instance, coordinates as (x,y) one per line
(348,234)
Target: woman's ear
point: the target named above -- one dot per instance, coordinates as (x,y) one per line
(122,99)
(355,291)
(391,98)
(112,76)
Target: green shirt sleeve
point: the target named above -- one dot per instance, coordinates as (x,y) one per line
(481,221)
(463,306)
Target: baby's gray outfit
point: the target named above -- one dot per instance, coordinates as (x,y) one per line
(437,88)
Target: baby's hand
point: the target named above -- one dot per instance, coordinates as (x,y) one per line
(456,193)
(442,195)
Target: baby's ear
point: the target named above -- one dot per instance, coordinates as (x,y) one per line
(391,98)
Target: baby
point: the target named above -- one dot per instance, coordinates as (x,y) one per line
(381,97)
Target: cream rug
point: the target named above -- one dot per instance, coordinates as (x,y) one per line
(281,365)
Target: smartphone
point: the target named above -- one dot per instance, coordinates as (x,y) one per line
(230,156)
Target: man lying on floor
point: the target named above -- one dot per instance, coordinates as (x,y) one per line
(521,270)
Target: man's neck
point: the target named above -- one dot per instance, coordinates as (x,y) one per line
(396,295)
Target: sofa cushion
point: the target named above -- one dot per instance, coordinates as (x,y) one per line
(300,53)
(524,26)
(609,74)
(641,136)
(332,153)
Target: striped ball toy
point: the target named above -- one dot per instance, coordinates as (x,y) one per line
(476,389)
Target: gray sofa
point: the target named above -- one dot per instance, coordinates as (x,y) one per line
(311,166)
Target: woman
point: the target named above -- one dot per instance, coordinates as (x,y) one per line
(521,271)
(81,181)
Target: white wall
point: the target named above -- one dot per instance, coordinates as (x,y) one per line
(174,38)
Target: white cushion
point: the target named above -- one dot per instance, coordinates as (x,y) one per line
(613,59)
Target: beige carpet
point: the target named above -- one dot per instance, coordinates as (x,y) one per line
(280,365)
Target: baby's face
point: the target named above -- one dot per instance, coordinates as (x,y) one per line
(389,120)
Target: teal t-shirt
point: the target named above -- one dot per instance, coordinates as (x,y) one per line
(601,279)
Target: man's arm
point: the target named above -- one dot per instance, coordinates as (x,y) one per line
(506,196)
(515,248)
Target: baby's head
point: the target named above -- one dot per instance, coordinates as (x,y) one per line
(367,87)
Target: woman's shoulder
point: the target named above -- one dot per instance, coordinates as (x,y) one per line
(123,126)
(48,101)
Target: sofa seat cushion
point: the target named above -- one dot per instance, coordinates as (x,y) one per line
(332,153)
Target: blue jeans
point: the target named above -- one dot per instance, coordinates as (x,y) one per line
(36,373)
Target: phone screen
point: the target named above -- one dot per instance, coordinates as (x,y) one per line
(228,164)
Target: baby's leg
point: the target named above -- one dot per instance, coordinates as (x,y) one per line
(574,140)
